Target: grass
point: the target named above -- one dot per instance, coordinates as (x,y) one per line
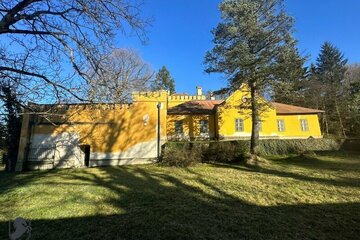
(296,197)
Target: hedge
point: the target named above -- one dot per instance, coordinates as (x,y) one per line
(189,153)
(296,146)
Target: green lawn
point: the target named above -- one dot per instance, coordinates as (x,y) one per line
(315,197)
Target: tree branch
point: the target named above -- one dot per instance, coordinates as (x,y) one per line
(31,32)
(55,85)
(9,17)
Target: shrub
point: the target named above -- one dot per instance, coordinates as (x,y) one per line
(351,145)
(296,146)
(232,151)
(1,156)
(182,154)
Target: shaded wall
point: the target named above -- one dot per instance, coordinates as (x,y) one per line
(191,127)
(116,134)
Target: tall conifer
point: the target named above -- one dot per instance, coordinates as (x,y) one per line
(247,43)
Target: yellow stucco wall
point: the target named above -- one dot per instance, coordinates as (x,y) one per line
(159,96)
(116,133)
(179,99)
(109,130)
(236,108)
(191,125)
(293,126)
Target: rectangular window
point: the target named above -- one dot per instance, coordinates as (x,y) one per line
(204,126)
(304,125)
(281,125)
(239,125)
(179,127)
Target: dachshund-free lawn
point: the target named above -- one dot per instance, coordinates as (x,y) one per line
(299,197)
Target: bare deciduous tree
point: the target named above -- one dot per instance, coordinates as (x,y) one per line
(119,73)
(47,46)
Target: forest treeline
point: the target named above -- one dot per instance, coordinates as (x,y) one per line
(329,84)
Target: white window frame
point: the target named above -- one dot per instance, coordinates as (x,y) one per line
(304,124)
(281,125)
(239,125)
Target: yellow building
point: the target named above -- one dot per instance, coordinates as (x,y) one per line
(231,119)
(79,135)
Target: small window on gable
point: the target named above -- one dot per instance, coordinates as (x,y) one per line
(179,127)
(281,125)
(239,125)
(204,126)
(304,125)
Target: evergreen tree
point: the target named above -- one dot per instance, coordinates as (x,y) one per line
(12,126)
(290,76)
(247,44)
(330,71)
(312,88)
(2,138)
(352,82)
(163,81)
(331,65)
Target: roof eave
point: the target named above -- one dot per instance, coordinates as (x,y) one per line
(299,113)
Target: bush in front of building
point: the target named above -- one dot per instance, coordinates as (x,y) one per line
(183,154)
(297,146)
(226,152)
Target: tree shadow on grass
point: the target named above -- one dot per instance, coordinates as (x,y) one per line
(323,160)
(344,182)
(156,205)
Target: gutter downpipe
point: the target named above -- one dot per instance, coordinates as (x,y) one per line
(158,131)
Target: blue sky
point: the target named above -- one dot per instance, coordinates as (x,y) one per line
(180,35)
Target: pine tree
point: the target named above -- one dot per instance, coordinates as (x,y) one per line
(330,71)
(290,77)
(163,81)
(12,126)
(352,83)
(331,65)
(247,44)
(2,138)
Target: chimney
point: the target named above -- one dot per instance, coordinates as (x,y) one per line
(199,91)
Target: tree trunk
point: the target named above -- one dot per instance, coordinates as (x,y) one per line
(340,120)
(255,122)
(325,122)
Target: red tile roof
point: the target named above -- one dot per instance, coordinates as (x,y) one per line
(208,107)
(282,108)
(195,107)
